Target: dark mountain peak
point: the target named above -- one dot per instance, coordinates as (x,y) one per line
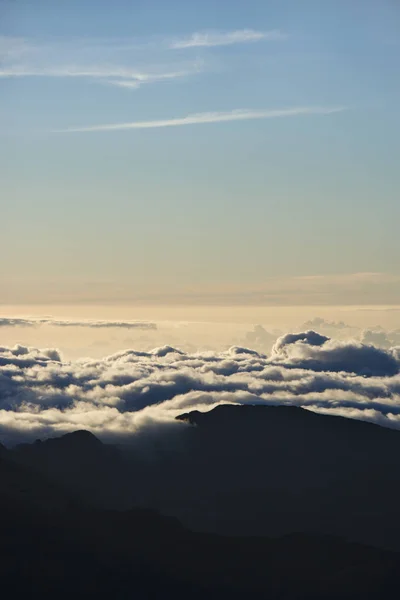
(192,417)
(76,444)
(82,436)
(256,417)
(80,462)
(77,439)
(241,414)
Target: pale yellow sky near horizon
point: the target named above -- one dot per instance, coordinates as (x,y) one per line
(201,317)
(188,327)
(360,315)
(346,289)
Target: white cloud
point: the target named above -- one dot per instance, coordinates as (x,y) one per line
(96,60)
(115,75)
(213,117)
(41,394)
(319,353)
(379,337)
(217,38)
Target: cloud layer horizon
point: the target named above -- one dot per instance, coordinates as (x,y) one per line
(132,393)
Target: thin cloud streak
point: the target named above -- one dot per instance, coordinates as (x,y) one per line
(216,38)
(211,117)
(120,76)
(21,322)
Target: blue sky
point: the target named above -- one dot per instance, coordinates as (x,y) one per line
(151,148)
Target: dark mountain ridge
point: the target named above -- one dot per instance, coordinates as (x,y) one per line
(83,552)
(244,470)
(250,472)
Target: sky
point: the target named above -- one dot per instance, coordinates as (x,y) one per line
(200,205)
(200,153)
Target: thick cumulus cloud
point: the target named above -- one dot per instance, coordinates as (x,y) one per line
(20,322)
(132,392)
(311,350)
(380,337)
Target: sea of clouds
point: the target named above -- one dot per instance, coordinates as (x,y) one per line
(132,393)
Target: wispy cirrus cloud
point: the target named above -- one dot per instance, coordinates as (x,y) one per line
(114,75)
(218,38)
(118,62)
(212,117)
(124,65)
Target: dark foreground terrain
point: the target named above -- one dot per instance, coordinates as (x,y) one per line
(257,502)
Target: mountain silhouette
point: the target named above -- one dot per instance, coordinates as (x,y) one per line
(80,463)
(272,470)
(244,470)
(80,551)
